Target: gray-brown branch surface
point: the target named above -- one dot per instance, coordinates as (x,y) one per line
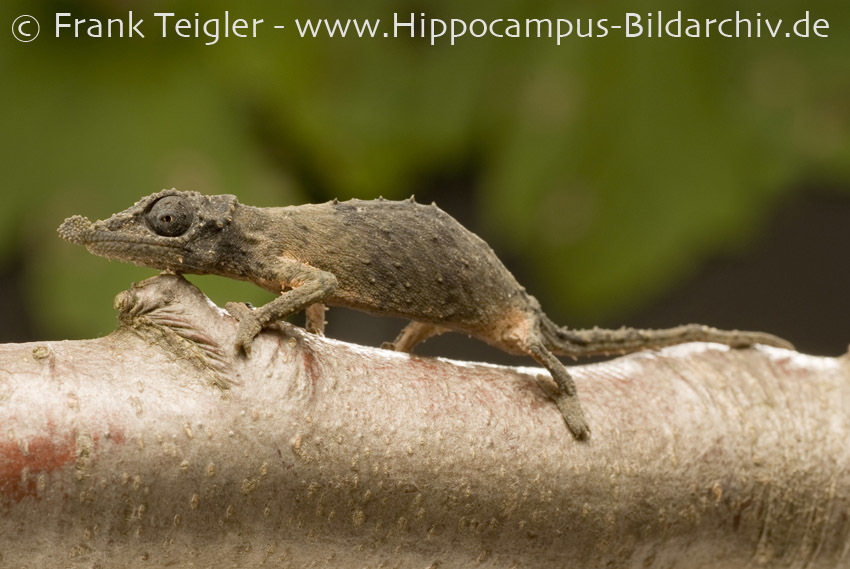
(158,446)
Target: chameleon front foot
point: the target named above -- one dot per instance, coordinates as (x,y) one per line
(249,325)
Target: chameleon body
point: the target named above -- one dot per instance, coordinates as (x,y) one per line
(395,258)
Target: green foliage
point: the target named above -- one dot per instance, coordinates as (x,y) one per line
(609,166)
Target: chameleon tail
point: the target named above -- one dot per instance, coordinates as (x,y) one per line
(599,341)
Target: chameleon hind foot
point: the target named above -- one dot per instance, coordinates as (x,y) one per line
(567,398)
(573,415)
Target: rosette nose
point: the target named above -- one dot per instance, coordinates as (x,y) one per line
(75,229)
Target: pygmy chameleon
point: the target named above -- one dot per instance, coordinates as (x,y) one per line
(396,258)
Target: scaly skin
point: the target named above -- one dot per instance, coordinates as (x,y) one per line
(384,257)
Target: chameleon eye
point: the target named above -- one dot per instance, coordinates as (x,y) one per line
(170,216)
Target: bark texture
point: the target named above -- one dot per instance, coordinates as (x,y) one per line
(157,446)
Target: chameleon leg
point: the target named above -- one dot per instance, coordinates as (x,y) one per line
(567,400)
(315,314)
(412,334)
(309,287)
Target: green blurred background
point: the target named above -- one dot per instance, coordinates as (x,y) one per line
(645,182)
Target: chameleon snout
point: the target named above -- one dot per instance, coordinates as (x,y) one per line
(75,229)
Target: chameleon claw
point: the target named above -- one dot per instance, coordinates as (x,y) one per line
(245,335)
(238,310)
(249,326)
(245,347)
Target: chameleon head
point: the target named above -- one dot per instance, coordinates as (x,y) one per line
(166,230)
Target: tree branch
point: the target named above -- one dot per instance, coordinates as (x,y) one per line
(157,446)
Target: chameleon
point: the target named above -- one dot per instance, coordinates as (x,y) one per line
(384,257)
